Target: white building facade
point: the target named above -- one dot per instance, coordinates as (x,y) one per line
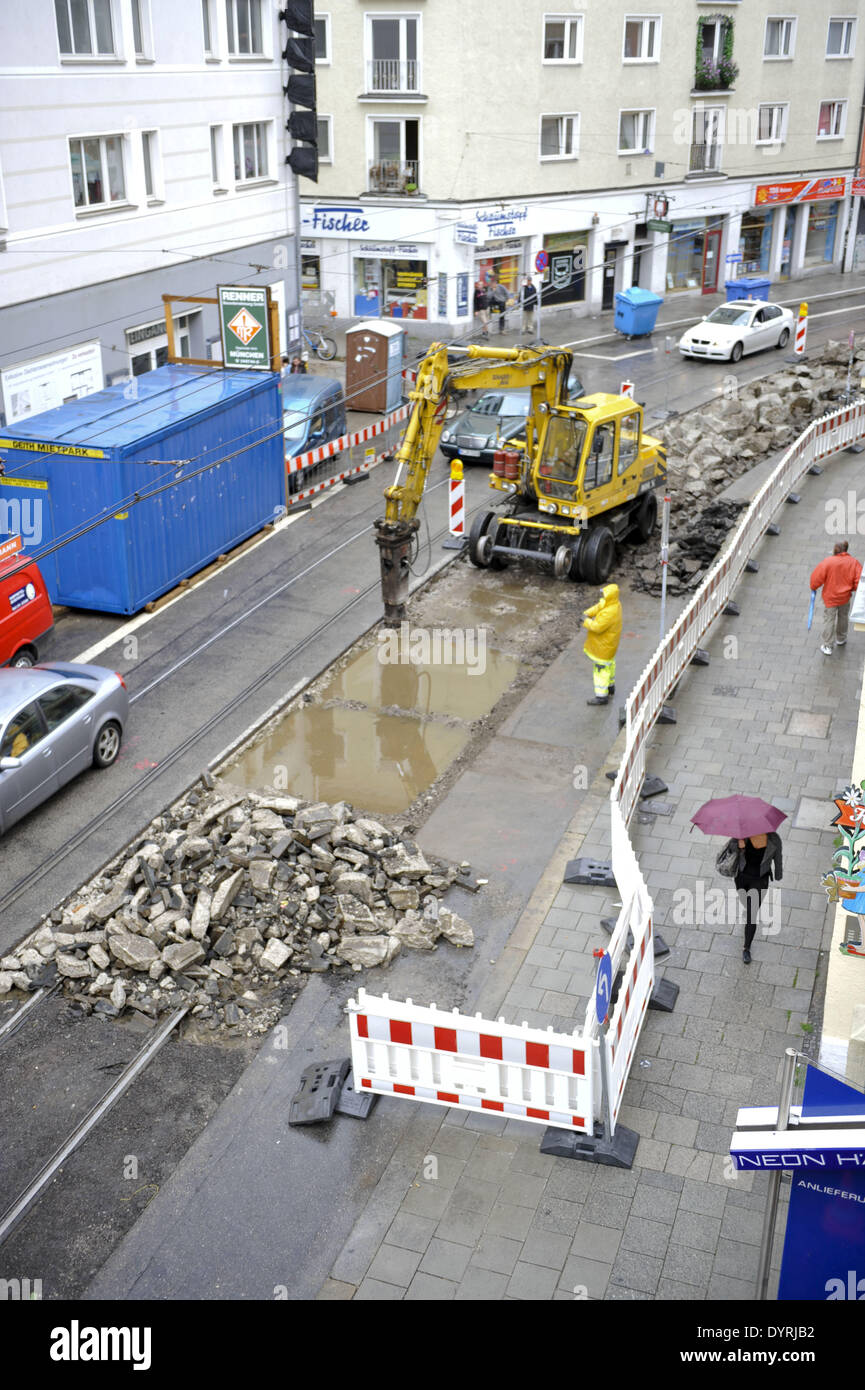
(142,153)
(672,146)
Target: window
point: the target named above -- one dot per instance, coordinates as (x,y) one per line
(207,28)
(321,38)
(636,132)
(708,136)
(243,22)
(772,124)
(563,38)
(392,44)
(713,34)
(325,144)
(62,703)
(84,27)
(139,33)
(23,730)
(150,151)
(780,38)
(395,161)
(642,39)
(97,171)
(629,440)
(250,152)
(832,121)
(216,155)
(560,137)
(841,38)
(599,464)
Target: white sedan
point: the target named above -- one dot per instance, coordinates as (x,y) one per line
(731,330)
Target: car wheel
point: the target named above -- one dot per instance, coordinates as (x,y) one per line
(598,555)
(25,657)
(107,744)
(736,352)
(784,338)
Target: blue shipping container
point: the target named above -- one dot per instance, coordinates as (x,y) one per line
(175,474)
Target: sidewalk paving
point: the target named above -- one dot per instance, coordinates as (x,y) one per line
(495,1219)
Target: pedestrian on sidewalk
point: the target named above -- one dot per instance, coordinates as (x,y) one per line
(481,307)
(499,302)
(838,577)
(604,622)
(759,859)
(528,304)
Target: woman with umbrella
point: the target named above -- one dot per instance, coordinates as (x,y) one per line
(753,849)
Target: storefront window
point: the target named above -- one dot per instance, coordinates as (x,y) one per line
(505,269)
(755,241)
(148,344)
(310,272)
(390,288)
(820,237)
(565,276)
(685,256)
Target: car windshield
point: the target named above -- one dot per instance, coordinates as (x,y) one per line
(294,427)
(500,403)
(728,314)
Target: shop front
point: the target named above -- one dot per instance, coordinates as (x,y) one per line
(310,270)
(565,276)
(693,255)
(390,281)
(502,261)
(755,241)
(821,233)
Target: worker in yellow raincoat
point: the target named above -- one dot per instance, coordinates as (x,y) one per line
(604,622)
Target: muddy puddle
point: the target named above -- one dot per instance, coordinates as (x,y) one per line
(464,679)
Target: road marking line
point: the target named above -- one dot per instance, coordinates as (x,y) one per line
(620,357)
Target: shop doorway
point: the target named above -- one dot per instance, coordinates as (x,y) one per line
(148,344)
(711,261)
(611,253)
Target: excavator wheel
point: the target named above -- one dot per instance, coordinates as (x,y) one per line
(598,555)
(481,540)
(646,516)
(568,560)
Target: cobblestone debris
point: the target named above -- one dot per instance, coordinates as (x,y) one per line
(226,897)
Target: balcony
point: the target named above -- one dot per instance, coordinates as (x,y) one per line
(704,160)
(392,76)
(394,176)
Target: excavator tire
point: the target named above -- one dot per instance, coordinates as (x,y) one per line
(481,540)
(568,560)
(598,555)
(646,516)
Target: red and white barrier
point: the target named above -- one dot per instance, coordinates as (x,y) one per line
(403,1049)
(346,441)
(457,500)
(627,389)
(801,331)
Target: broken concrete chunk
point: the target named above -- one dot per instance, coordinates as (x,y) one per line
(73,968)
(419,935)
(275,954)
(261,875)
(138,952)
(454,929)
(360,951)
(225,895)
(200,920)
(182,954)
(100,957)
(355,884)
(398,863)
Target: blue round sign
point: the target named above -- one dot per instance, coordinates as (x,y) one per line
(542,260)
(603,988)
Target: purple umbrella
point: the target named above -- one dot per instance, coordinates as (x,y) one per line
(738,817)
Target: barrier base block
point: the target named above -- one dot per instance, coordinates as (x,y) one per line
(356,478)
(701,657)
(794,497)
(356,1103)
(667,715)
(774,529)
(655,808)
(752,567)
(454,543)
(596,871)
(618,1152)
(660,947)
(731,609)
(653,786)
(815,470)
(319,1091)
(664,996)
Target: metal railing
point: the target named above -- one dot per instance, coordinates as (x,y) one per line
(392,75)
(393,176)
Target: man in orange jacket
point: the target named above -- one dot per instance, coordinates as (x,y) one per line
(838,577)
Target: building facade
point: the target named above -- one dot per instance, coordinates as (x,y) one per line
(671,145)
(142,152)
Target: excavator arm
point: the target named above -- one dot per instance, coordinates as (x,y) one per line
(443,372)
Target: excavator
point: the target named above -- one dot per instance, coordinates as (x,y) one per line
(581,477)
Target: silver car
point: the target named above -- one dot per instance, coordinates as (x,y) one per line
(56,719)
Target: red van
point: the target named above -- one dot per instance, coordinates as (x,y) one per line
(26,617)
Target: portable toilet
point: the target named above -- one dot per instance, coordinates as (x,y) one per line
(374,359)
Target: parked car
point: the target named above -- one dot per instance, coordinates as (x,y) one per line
(56,720)
(26,615)
(496,416)
(731,330)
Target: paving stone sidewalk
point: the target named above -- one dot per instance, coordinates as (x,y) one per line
(468,1208)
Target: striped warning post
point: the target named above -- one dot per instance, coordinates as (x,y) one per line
(457,500)
(403,1049)
(627,389)
(801,331)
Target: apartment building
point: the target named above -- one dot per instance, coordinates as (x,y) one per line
(671,144)
(142,152)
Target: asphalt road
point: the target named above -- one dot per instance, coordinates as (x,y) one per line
(204,668)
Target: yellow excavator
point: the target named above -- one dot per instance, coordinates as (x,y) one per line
(581,477)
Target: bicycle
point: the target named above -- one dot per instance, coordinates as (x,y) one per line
(323,347)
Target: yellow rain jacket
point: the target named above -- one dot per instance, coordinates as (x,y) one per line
(604,622)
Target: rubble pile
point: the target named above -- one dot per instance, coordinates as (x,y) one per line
(693,550)
(226,896)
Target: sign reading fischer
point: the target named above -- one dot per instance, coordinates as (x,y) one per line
(243,322)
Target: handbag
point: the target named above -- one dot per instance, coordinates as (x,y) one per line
(727,862)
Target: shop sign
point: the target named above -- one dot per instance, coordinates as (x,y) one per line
(309,245)
(799,190)
(462,295)
(857,188)
(655,224)
(505,214)
(350,220)
(395,250)
(564,241)
(244,327)
(141,335)
(29,388)
(494,231)
(466,233)
(500,247)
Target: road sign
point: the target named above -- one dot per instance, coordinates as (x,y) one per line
(733,257)
(542,260)
(603,988)
(244,326)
